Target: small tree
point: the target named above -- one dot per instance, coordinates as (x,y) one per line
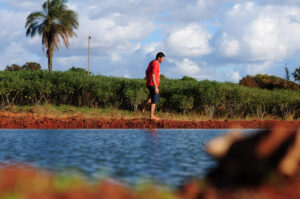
(268,82)
(31,66)
(187,78)
(13,67)
(296,74)
(162,76)
(78,69)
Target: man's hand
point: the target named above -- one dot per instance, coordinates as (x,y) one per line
(154,82)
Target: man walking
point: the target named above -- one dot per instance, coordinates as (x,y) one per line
(152,83)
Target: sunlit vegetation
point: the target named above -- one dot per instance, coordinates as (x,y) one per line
(185,96)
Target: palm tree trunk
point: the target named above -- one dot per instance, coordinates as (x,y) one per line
(50,58)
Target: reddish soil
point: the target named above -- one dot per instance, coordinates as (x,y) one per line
(33,121)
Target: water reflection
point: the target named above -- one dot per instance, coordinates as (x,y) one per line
(155,163)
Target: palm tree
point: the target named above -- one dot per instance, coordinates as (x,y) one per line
(55,21)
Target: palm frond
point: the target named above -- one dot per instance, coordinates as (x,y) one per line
(46,6)
(34,17)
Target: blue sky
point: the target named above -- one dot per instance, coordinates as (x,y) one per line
(220,40)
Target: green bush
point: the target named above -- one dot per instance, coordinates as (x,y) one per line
(187,78)
(210,98)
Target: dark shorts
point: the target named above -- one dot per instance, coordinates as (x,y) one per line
(154,97)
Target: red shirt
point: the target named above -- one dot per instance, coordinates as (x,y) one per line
(153,68)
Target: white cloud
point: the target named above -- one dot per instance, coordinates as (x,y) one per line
(259,68)
(253,32)
(107,33)
(233,76)
(249,38)
(194,10)
(14,53)
(152,48)
(12,24)
(70,61)
(229,47)
(25,5)
(191,41)
(115,57)
(280,2)
(187,67)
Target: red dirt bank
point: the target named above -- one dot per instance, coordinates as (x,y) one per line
(33,121)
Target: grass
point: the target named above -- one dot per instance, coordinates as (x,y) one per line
(65,111)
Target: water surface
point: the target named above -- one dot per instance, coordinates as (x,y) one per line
(167,156)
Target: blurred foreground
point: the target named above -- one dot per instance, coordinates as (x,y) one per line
(261,165)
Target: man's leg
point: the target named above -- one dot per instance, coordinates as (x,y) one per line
(143,105)
(155,100)
(152,116)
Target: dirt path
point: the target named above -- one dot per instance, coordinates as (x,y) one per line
(33,121)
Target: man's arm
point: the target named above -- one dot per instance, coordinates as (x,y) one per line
(154,82)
